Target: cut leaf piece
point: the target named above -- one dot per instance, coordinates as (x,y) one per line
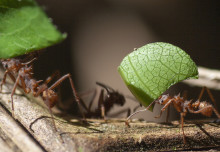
(152,69)
(24,27)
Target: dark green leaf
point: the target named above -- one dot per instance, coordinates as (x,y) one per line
(24,27)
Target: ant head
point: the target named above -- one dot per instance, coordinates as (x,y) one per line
(162,98)
(5,63)
(11,64)
(117,98)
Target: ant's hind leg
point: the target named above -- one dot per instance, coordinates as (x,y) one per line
(53,121)
(57,83)
(206,111)
(182,115)
(210,95)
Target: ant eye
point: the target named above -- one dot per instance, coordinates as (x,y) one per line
(161,101)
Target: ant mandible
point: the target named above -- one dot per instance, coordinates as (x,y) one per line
(105,102)
(183,106)
(22,75)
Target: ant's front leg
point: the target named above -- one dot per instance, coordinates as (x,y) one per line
(3,80)
(23,86)
(164,108)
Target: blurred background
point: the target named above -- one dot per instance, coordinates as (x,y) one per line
(102,32)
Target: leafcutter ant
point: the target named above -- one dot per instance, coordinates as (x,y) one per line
(21,74)
(105,102)
(183,106)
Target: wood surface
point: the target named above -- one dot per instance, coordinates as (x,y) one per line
(32,130)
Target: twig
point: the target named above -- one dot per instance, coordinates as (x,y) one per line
(207,77)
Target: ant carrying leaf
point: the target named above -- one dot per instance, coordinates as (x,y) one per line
(184,106)
(21,73)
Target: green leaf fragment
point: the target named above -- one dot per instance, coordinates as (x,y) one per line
(152,69)
(24,27)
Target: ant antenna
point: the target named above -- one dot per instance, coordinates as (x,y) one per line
(142,110)
(29,61)
(105,87)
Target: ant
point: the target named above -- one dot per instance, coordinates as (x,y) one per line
(183,106)
(22,76)
(105,102)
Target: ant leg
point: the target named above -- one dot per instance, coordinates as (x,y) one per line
(88,109)
(168,114)
(53,121)
(3,80)
(101,104)
(50,78)
(207,111)
(216,112)
(57,83)
(12,93)
(185,95)
(49,108)
(182,123)
(164,108)
(84,105)
(201,93)
(210,95)
(92,99)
